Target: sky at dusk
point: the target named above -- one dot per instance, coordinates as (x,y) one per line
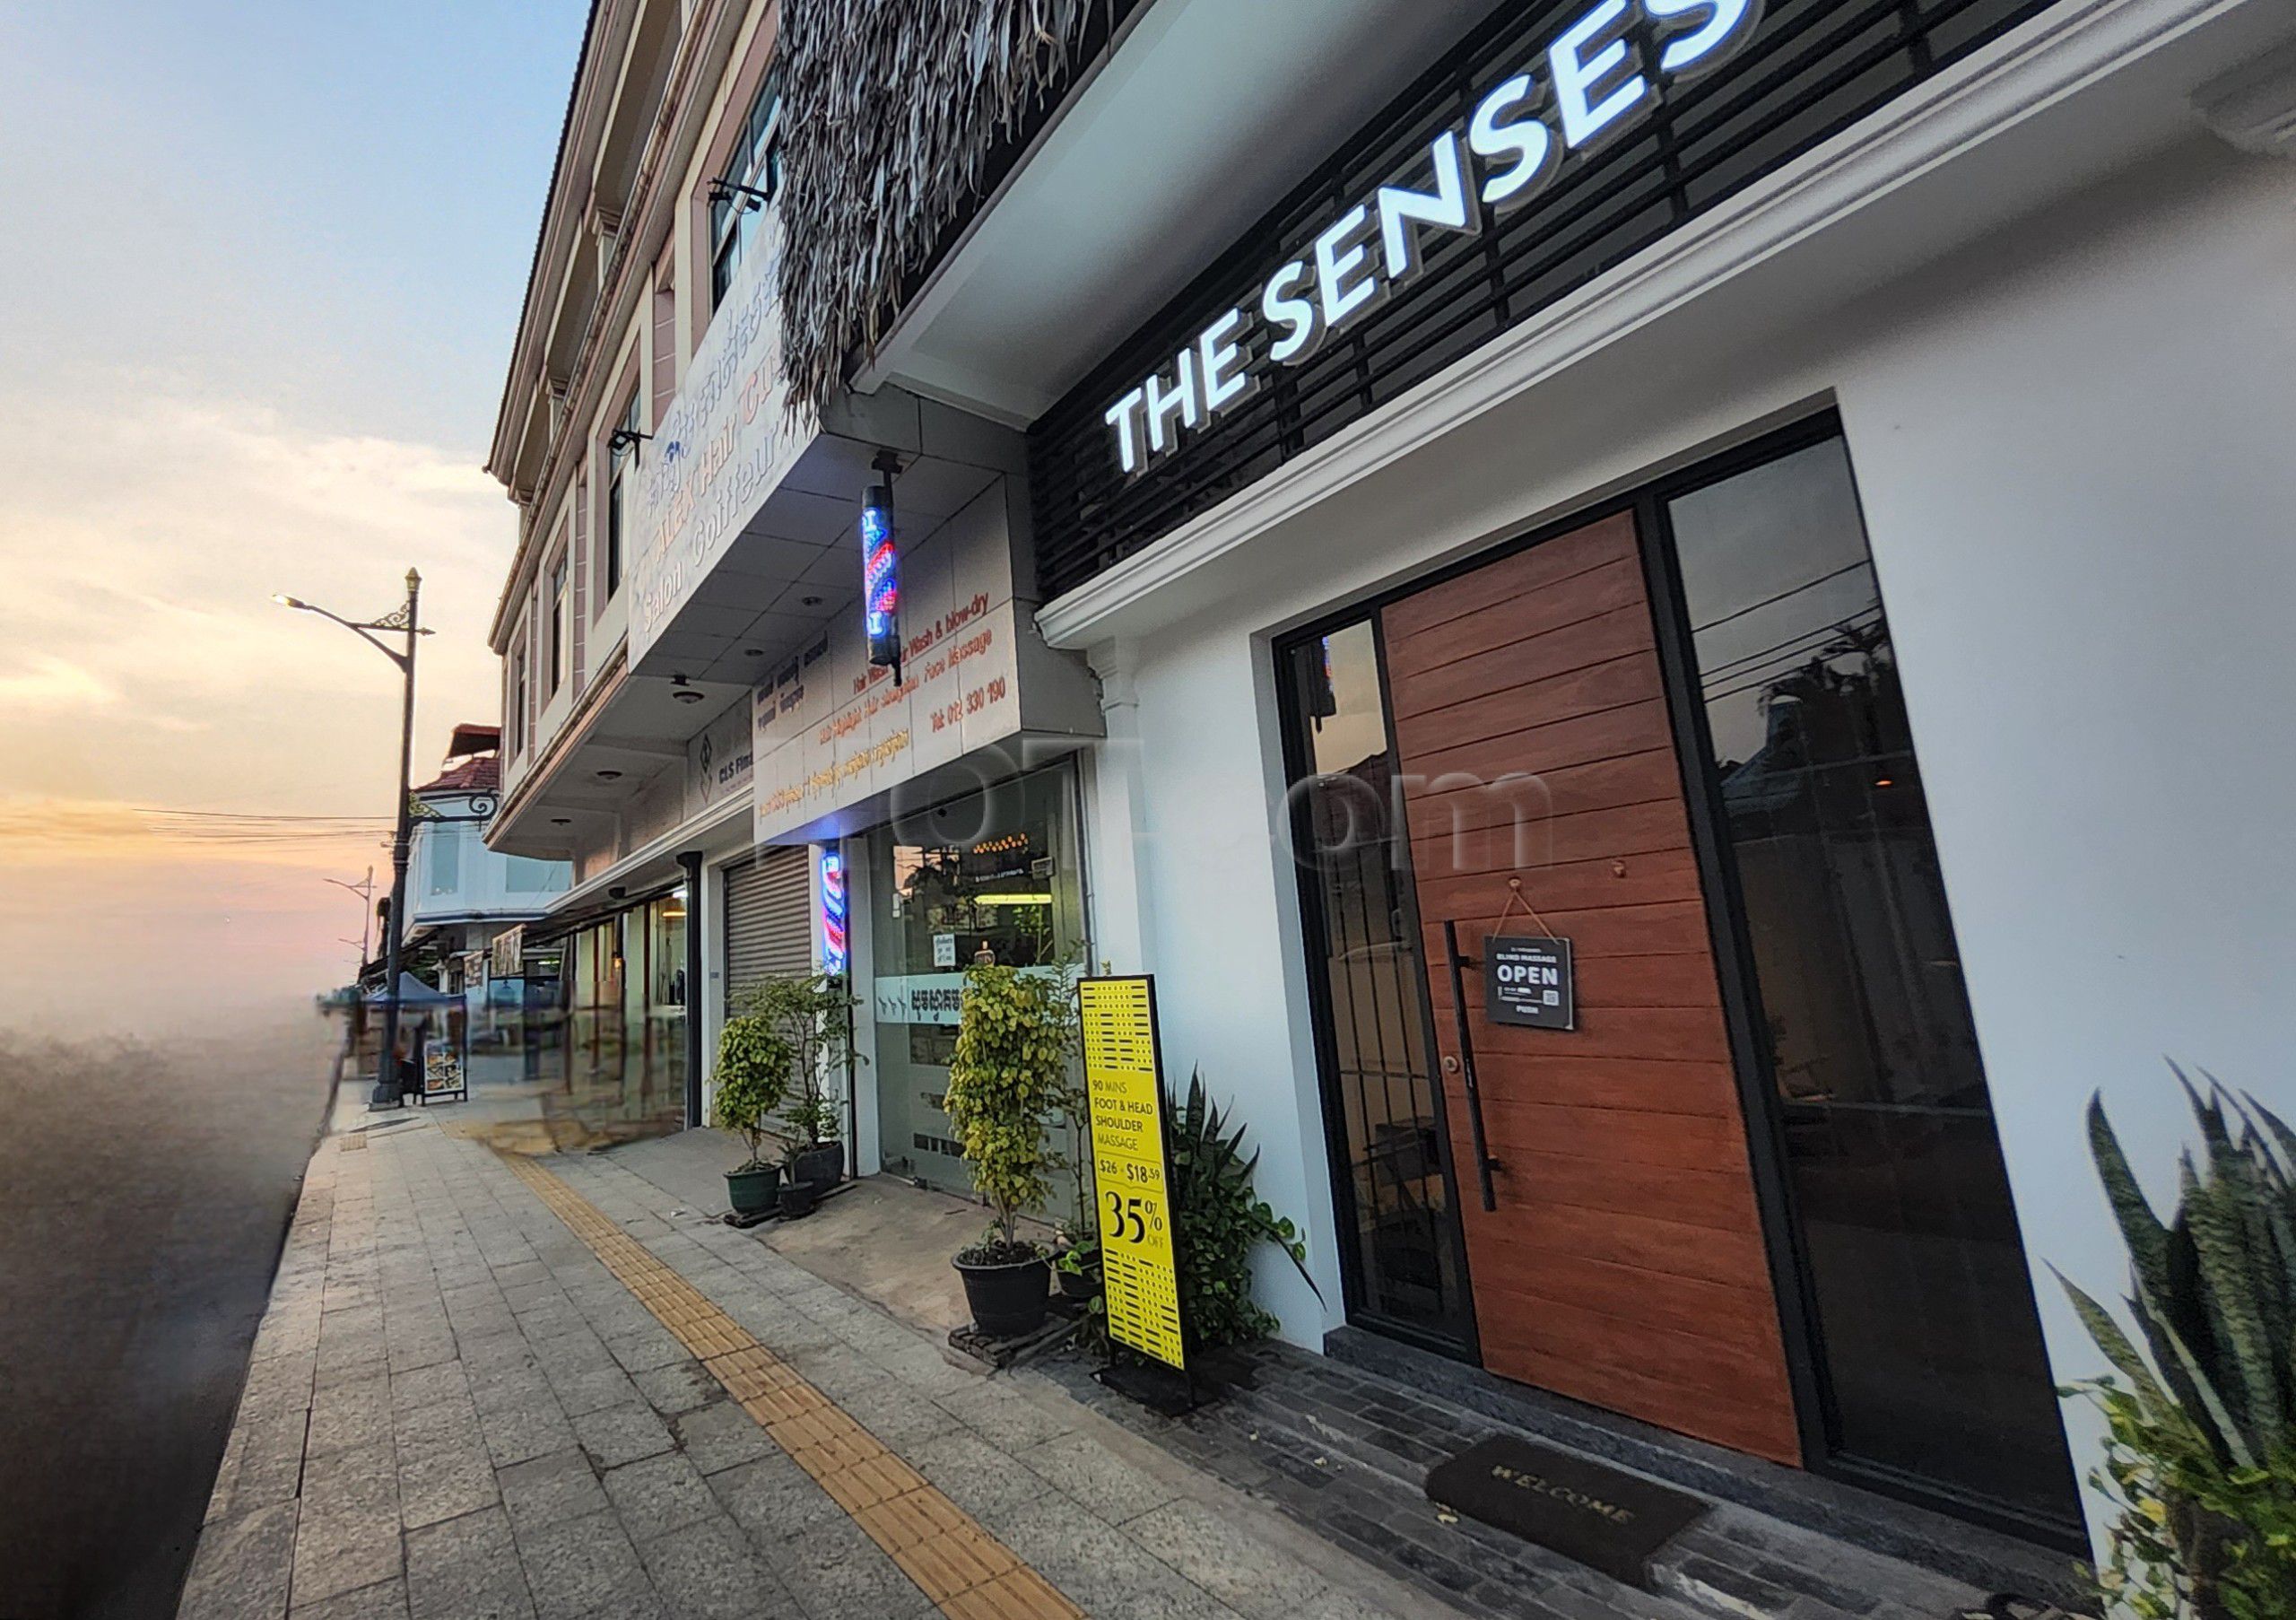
(259,275)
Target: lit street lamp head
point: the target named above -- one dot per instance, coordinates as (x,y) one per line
(287,601)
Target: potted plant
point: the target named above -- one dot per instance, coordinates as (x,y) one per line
(2200,1454)
(1007,1078)
(811,1013)
(816,1156)
(1078,1268)
(752,1077)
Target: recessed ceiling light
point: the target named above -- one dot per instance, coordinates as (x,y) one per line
(609,776)
(809,601)
(562,821)
(682,692)
(753,652)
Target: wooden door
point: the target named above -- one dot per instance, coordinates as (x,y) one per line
(1623,1265)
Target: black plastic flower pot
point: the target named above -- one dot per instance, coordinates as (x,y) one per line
(1078,1284)
(753,1190)
(1008,1300)
(798,1200)
(822,1165)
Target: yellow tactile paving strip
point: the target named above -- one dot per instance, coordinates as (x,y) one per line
(966,1570)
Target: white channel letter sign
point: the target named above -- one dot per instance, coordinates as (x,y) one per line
(1594,81)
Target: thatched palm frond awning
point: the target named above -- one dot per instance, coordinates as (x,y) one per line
(898,114)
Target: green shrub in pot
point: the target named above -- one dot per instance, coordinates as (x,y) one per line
(2201,1458)
(811,1015)
(1009,1076)
(752,1077)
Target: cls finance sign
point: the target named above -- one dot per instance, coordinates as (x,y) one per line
(1595,80)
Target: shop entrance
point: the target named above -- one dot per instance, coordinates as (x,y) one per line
(1753,1193)
(997,874)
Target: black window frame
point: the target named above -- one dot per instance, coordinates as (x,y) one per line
(1792,1268)
(1646,502)
(1299,766)
(755,165)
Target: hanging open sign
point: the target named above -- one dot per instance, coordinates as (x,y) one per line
(1527,980)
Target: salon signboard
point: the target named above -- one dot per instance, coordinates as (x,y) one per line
(721,448)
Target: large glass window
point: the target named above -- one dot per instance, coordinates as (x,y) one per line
(996,875)
(523,875)
(1406,1257)
(624,1074)
(665,1004)
(443,855)
(1933,1363)
(755,168)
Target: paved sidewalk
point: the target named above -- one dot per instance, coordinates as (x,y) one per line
(490,1388)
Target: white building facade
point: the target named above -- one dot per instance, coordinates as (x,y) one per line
(1812,504)
(1786,501)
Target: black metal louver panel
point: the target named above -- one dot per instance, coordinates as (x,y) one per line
(1813,68)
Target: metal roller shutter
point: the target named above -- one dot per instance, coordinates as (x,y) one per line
(768,921)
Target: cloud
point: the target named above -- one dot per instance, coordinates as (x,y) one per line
(145,661)
(143,664)
(42,680)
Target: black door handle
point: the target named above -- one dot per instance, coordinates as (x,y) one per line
(1484,1162)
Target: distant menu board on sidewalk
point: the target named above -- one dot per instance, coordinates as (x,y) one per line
(1123,1077)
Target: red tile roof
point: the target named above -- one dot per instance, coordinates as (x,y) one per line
(480,774)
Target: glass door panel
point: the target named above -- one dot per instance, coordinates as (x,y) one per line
(1383,1110)
(1931,1358)
(996,875)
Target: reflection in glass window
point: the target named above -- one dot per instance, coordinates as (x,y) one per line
(443,855)
(997,875)
(755,166)
(1932,1348)
(523,874)
(1405,1252)
(665,953)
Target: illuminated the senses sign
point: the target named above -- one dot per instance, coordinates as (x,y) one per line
(1596,78)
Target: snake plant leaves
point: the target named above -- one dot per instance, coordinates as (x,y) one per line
(2220,1235)
(2215,1290)
(2115,1345)
(2140,1228)
(2281,1131)
(2205,1404)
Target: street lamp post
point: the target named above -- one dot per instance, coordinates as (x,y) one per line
(365,890)
(402,620)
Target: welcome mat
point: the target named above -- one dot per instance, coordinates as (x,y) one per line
(1609,1520)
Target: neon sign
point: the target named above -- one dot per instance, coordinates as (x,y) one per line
(1600,76)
